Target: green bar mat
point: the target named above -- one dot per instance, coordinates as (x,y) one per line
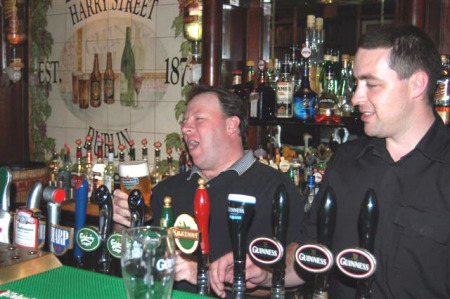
(68,282)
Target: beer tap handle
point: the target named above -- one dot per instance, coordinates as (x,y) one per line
(81,199)
(368,221)
(5,188)
(326,221)
(54,197)
(280,219)
(137,208)
(367,227)
(102,198)
(201,212)
(34,199)
(240,213)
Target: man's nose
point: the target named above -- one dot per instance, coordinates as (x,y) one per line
(357,97)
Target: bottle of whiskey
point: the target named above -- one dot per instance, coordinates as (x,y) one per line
(53,168)
(88,174)
(132,150)
(144,150)
(170,171)
(442,94)
(127,67)
(344,94)
(110,169)
(284,91)
(96,84)
(77,168)
(156,175)
(99,167)
(304,99)
(108,81)
(64,172)
(262,99)
(237,86)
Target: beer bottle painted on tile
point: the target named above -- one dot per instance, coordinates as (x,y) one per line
(108,81)
(127,67)
(96,85)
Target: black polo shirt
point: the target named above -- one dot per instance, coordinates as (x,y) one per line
(247,176)
(412,244)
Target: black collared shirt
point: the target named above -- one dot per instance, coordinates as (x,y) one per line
(412,244)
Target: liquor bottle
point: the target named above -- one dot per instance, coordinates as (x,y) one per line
(310,41)
(108,81)
(64,172)
(321,79)
(167,217)
(156,175)
(262,99)
(320,38)
(132,151)
(77,168)
(121,159)
(336,70)
(144,150)
(88,174)
(110,169)
(351,77)
(53,169)
(250,77)
(183,162)
(237,86)
(304,99)
(344,94)
(170,171)
(442,94)
(127,67)
(284,91)
(310,192)
(96,85)
(99,167)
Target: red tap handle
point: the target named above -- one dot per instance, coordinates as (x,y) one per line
(201,211)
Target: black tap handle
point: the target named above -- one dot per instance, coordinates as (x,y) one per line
(102,198)
(368,221)
(326,221)
(280,219)
(137,208)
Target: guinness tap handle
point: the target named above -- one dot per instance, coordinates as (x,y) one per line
(102,198)
(326,220)
(367,227)
(240,213)
(81,199)
(280,219)
(34,199)
(201,212)
(137,208)
(368,220)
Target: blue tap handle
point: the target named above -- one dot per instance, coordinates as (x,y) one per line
(81,199)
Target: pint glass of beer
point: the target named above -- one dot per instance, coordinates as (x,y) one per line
(135,175)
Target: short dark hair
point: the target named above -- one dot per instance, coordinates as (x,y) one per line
(231,103)
(412,50)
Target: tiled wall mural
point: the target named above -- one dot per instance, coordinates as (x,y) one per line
(83,28)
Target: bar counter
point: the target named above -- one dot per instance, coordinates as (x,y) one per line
(68,282)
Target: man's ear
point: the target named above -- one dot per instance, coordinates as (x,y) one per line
(418,84)
(232,124)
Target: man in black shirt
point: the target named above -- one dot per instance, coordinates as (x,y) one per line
(214,130)
(405,159)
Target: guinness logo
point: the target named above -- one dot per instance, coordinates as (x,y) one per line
(356,262)
(266,250)
(314,258)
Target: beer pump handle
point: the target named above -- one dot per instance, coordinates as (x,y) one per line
(280,219)
(368,221)
(201,212)
(102,198)
(81,199)
(54,197)
(34,199)
(240,213)
(367,227)
(326,220)
(5,188)
(137,208)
